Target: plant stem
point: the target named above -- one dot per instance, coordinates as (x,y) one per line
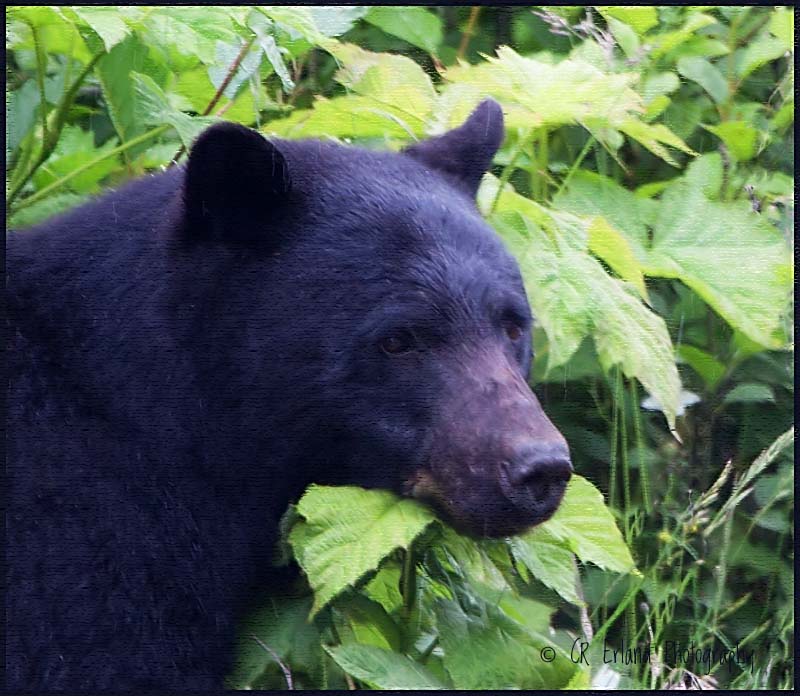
(644,474)
(51,136)
(75,172)
(509,169)
(575,165)
(41,68)
(468,32)
(220,90)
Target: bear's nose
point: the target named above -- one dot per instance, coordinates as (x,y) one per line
(537,475)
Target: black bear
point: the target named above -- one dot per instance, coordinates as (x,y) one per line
(188,353)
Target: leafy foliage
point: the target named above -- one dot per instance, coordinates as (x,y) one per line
(645,185)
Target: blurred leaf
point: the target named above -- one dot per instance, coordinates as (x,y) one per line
(757,53)
(665,42)
(45,208)
(642,19)
(748,392)
(389,79)
(585,525)
(739,137)
(417,25)
(703,363)
(384,588)
(654,136)
(348,531)
(382,669)
(781,25)
(336,20)
(625,36)
(705,74)
(107,22)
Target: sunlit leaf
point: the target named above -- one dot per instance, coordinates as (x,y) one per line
(348,531)
(383,669)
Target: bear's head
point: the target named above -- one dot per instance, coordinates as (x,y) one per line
(372,329)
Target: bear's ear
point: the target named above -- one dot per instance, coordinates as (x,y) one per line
(234,179)
(464,154)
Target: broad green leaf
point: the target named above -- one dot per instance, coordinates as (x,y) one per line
(625,36)
(348,531)
(573,297)
(472,560)
(389,80)
(488,650)
(336,20)
(226,55)
(705,74)
(740,138)
(369,622)
(417,25)
(732,257)
(262,27)
(654,136)
(74,149)
(192,31)
(663,43)
(588,529)
(384,588)
(21,112)
(299,20)
(642,19)
(703,363)
(383,669)
(612,246)
(749,392)
(659,84)
(107,22)
(573,91)
(549,560)
(352,116)
(781,25)
(757,53)
(54,30)
(282,624)
(587,193)
(45,208)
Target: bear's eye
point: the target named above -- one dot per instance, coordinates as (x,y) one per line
(513,331)
(400,342)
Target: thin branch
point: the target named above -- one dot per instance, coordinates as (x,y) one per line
(468,31)
(75,172)
(220,90)
(287,675)
(52,135)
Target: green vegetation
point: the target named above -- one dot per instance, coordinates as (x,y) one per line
(645,185)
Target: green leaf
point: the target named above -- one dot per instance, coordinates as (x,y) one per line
(348,531)
(485,649)
(611,246)
(642,19)
(383,669)
(351,116)
(388,79)
(625,36)
(573,297)
(665,42)
(587,193)
(757,53)
(654,136)
(107,22)
(369,622)
(417,25)
(781,25)
(703,363)
(74,149)
(153,107)
(336,20)
(284,627)
(585,525)
(750,392)
(740,138)
(706,75)
(730,256)
(45,208)
(384,588)
(550,561)
(541,94)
